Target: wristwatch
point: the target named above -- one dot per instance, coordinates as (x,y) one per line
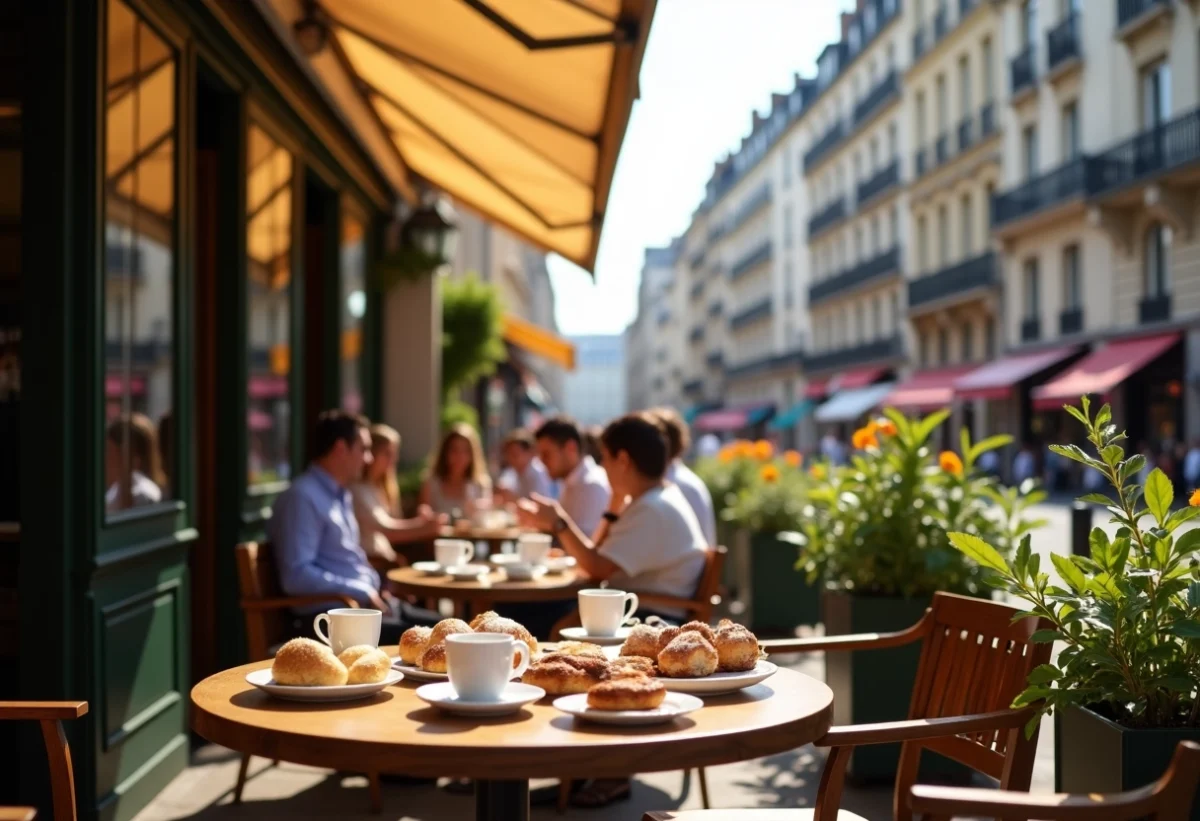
(560,524)
(611,517)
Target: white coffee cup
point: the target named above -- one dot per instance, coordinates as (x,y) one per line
(533,547)
(349,627)
(480,665)
(453,552)
(604,611)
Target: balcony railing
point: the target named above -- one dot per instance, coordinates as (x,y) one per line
(1024,70)
(748,316)
(696,334)
(834,213)
(880,349)
(922,161)
(1129,11)
(978,272)
(1154,309)
(1061,184)
(1161,148)
(1031,330)
(757,256)
(987,120)
(716,308)
(880,182)
(882,265)
(1062,42)
(824,145)
(1070,321)
(966,134)
(941,148)
(887,89)
(715,359)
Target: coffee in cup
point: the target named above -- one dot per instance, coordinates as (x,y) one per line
(480,665)
(453,552)
(349,627)
(604,611)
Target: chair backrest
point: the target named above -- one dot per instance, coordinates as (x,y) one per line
(974,659)
(50,715)
(258,579)
(708,590)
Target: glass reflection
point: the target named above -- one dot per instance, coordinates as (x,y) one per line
(139,261)
(269,244)
(354,307)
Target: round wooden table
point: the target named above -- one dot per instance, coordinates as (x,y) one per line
(395,732)
(490,589)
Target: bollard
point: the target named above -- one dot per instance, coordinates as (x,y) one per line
(1081,528)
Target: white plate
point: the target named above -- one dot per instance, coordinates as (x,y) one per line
(559,564)
(514,697)
(262,680)
(467,571)
(428,568)
(719,684)
(580,634)
(416,673)
(674,705)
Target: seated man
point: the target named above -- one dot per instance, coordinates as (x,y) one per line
(693,487)
(315,534)
(525,473)
(585,492)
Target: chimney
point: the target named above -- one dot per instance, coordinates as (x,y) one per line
(755,122)
(847,19)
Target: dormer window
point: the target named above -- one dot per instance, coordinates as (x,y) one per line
(855,39)
(869,19)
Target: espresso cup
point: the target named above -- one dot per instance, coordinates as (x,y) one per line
(348,627)
(453,552)
(533,547)
(480,665)
(604,611)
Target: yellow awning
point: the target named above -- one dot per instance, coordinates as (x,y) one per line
(517,109)
(539,341)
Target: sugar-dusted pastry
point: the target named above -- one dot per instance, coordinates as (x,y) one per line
(561,675)
(365,664)
(433,659)
(579,648)
(627,693)
(499,624)
(631,665)
(737,647)
(642,641)
(689,655)
(701,628)
(413,642)
(665,636)
(307,663)
(447,627)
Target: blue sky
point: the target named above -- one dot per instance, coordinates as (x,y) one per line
(708,64)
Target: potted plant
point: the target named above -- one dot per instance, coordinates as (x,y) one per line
(875,534)
(1123,688)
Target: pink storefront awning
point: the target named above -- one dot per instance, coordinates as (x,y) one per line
(817,389)
(995,380)
(1101,370)
(268,387)
(731,419)
(853,380)
(927,390)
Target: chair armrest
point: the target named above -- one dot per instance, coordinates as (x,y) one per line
(886,732)
(289,602)
(947,802)
(17,813)
(850,641)
(42,710)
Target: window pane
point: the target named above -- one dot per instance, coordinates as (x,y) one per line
(269,246)
(139,263)
(354,307)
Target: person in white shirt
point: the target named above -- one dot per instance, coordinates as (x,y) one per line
(525,473)
(693,487)
(585,492)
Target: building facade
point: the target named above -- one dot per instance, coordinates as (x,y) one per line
(594,392)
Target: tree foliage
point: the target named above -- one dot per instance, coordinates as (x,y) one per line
(472,341)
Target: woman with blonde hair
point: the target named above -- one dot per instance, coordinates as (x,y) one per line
(132,463)
(458,480)
(377,502)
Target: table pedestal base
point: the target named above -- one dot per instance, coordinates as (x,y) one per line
(501,801)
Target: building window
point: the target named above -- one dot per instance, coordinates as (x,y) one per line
(1072,298)
(922,245)
(787,226)
(860,329)
(943,228)
(988,71)
(989,338)
(968,227)
(895,311)
(894,221)
(968,342)
(787,169)
(876,316)
(943,339)
(921,135)
(858,243)
(1156,94)
(139,264)
(1157,277)
(1070,131)
(876,245)
(354,308)
(989,195)
(269,186)
(1029,144)
(923,342)
(1031,290)
(873,154)
(964,84)
(942,113)
(893,142)
(1029,24)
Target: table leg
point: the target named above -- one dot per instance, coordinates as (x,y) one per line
(501,801)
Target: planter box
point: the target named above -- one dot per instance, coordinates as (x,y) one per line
(1093,754)
(779,595)
(876,685)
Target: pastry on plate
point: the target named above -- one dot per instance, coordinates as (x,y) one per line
(561,675)
(701,628)
(642,641)
(448,627)
(433,659)
(627,693)
(307,663)
(665,636)
(631,666)
(481,618)
(365,664)
(412,644)
(689,655)
(579,648)
(498,624)
(737,647)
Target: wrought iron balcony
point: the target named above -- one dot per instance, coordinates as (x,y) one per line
(987,120)
(834,213)
(966,134)
(885,264)
(1062,42)
(978,272)
(1063,183)
(762,309)
(1031,330)
(1134,11)
(942,148)
(1024,70)
(715,359)
(889,177)
(879,350)
(1070,321)
(755,257)
(1162,148)
(696,334)
(921,162)
(716,308)
(824,145)
(1154,309)
(887,89)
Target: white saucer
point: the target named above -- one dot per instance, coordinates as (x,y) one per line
(501,559)
(428,568)
(416,673)
(719,684)
(523,573)
(513,698)
(467,572)
(674,705)
(580,634)
(559,564)
(348,692)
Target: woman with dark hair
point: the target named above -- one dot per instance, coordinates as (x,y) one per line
(132,465)
(458,480)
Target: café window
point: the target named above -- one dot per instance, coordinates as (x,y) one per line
(269,304)
(1157,275)
(139,263)
(353,309)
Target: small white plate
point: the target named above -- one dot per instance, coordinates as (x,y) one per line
(467,572)
(348,692)
(428,568)
(559,564)
(719,684)
(501,559)
(416,673)
(519,573)
(673,706)
(513,698)
(581,634)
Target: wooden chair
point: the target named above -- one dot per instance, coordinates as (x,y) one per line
(974,661)
(17,813)
(1169,798)
(268,614)
(50,714)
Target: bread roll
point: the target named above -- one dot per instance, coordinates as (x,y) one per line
(307,663)
(370,667)
(737,648)
(642,641)
(433,660)
(689,655)
(627,693)
(412,644)
(499,624)
(447,627)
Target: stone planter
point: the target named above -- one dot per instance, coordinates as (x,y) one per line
(781,598)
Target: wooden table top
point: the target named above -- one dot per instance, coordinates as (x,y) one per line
(493,587)
(394,731)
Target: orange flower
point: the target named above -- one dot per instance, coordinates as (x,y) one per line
(949,462)
(1194,499)
(744,448)
(817,471)
(793,458)
(864,438)
(887,427)
(763,450)
(769,473)
(726,455)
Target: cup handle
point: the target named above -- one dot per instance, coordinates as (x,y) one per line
(631,599)
(468,553)
(317,628)
(522,650)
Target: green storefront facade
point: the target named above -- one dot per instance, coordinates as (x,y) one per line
(194,225)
